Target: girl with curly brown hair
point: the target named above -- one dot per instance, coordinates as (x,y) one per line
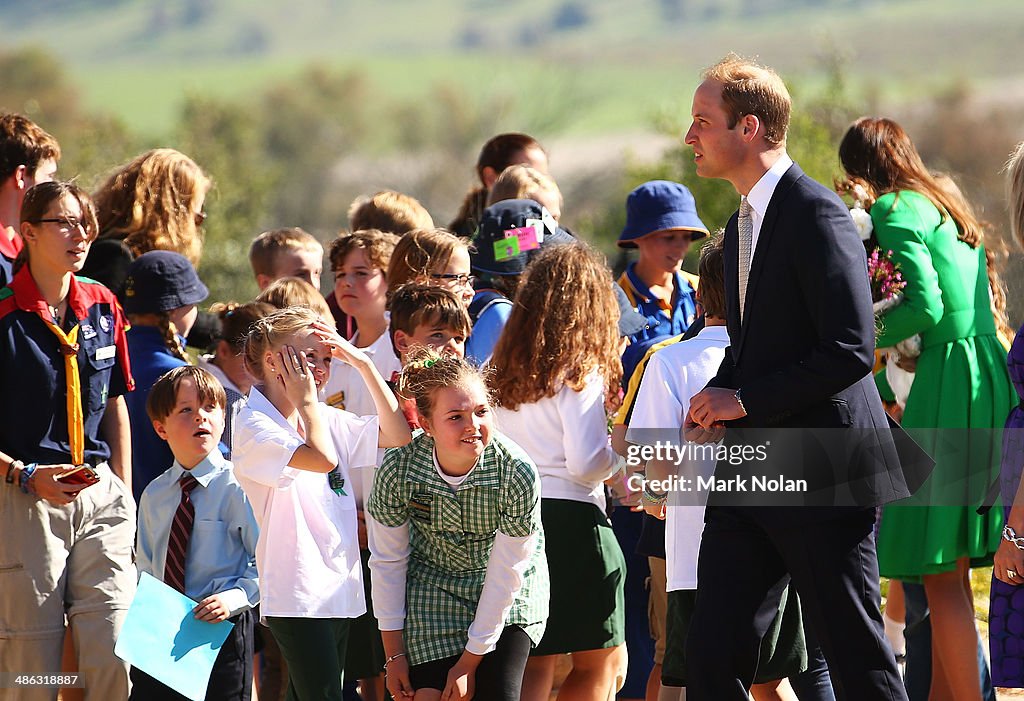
(555,363)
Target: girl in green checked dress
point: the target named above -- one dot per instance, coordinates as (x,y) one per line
(460,582)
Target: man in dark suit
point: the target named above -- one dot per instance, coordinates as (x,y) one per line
(797,374)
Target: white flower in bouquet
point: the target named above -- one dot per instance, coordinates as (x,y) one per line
(862,220)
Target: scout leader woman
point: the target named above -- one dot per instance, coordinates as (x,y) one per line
(68,538)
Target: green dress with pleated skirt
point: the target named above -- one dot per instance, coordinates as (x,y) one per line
(961,383)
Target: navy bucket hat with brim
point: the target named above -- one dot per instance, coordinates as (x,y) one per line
(660,205)
(160,281)
(510,234)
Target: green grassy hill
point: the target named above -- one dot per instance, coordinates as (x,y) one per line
(614,62)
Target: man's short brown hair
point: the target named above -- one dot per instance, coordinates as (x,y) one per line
(749,88)
(267,246)
(712,277)
(24,143)
(163,396)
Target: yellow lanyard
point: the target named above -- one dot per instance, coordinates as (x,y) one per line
(76,423)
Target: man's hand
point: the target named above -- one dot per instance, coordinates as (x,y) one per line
(713,405)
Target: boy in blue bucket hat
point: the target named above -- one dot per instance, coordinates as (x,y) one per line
(661,223)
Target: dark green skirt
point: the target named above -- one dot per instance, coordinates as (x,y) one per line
(587,572)
(783,649)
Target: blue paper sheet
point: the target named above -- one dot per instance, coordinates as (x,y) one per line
(162,637)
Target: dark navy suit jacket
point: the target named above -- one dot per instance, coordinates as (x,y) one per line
(802,358)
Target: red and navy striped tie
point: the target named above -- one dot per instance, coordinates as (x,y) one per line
(181,531)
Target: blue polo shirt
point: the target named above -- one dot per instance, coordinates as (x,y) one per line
(33,383)
(662,322)
(150,359)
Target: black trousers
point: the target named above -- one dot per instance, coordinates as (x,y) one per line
(745,555)
(231,679)
(499,676)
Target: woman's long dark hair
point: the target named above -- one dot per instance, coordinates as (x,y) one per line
(879,152)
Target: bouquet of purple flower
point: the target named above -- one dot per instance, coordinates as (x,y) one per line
(886,280)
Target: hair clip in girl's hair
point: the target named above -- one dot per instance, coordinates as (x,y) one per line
(430,363)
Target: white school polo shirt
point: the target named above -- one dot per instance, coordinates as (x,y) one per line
(307,553)
(673,375)
(345,389)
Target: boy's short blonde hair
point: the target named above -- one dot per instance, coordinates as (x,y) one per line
(521,182)
(296,292)
(266,247)
(163,396)
(389,211)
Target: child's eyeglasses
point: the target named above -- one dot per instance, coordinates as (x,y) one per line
(454,279)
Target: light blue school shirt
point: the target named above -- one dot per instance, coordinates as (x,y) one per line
(221,557)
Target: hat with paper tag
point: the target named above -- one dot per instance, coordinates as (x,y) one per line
(510,234)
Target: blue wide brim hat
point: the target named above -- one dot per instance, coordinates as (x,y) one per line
(658,205)
(160,281)
(502,217)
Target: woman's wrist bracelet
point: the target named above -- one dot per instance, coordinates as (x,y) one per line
(392,659)
(1010,535)
(12,471)
(26,475)
(652,496)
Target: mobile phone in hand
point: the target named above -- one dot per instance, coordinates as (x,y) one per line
(82,475)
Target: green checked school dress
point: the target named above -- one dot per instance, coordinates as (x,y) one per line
(450,539)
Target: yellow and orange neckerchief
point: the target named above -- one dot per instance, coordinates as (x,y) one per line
(76,422)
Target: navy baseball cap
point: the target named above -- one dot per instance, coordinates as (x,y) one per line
(499,219)
(630,320)
(160,281)
(658,205)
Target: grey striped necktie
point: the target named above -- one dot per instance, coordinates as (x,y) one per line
(746,231)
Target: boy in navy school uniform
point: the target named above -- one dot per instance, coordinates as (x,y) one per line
(209,554)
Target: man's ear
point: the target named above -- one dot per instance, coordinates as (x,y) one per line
(161,431)
(263,281)
(750,125)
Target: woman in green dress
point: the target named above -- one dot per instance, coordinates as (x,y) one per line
(961,383)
